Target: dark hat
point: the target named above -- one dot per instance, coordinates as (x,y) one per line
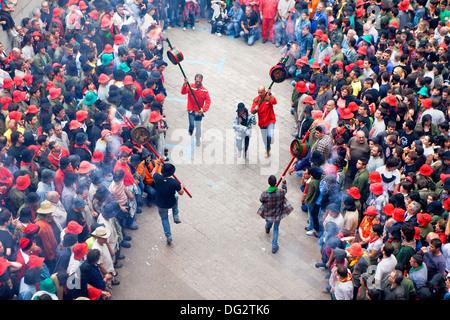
(148,98)
(80,138)
(333,207)
(446,183)
(87,68)
(155,75)
(32,198)
(48,69)
(64,162)
(69,239)
(96,177)
(135,159)
(349,203)
(240,107)
(78,203)
(110,210)
(317,157)
(70,178)
(435,207)
(137,108)
(308,109)
(114,93)
(446,155)
(145,153)
(316,172)
(168,169)
(47,175)
(102,191)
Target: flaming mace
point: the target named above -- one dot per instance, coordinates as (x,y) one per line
(175,56)
(278,74)
(299,149)
(131,124)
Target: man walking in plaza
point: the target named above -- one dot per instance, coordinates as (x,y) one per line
(274,207)
(196,93)
(263,105)
(167,191)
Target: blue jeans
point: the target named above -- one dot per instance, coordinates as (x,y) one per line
(195,122)
(276,226)
(251,36)
(151,193)
(267,134)
(173,15)
(234,28)
(191,18)
(313,217)
(164,214)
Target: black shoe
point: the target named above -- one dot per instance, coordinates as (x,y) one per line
(127,238)
(264,40)
(177,221)
(118,265)
(275,250)
(125,244)
(115,282)
(138,210)
(267,230)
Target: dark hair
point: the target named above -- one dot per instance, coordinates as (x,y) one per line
(272,181)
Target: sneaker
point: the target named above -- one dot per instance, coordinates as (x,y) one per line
(197,143)
(169,240)
(184,28)
(311,233)
(219,34)
(320,266)
(127,238)
(193,28)
(115,282)
(177,221)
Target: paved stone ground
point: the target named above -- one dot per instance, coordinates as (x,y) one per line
(220,250)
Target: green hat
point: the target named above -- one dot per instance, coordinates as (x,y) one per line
(90,98)
(107,58)
(124,67)
(423,91)
(367,38)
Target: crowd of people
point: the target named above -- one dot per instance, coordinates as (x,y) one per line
(370,101)
(79,77)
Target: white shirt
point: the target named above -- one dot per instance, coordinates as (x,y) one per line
(105,257)
(389,186)
(332,119)
(384,268)
(437,116)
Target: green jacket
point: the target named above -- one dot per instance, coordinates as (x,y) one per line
(313,192)
(40,62)
(361,181)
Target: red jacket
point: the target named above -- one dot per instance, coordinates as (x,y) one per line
(269,8)
(201,94)
(266,115)
(55,160)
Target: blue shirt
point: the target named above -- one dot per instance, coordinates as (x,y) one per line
(305,43)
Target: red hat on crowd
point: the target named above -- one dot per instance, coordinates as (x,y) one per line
(426,103)
(355,249)
(160,97)
(399,215)
(349,67)
(352,106)
(354,192)
(74,124)
(97,156)
(8,83)
(108,48)
(391,100)
(5,101)
(82,5)
(300,86)
(388,209)
(29,79)
(31,228)
(326,60)
(423,219)
(32,109)
(56,12)
(403,5)
(81,115)
(73,227)
(23,182)
(362,50)
(128,80)
(376,188)
(103,78)
(4,264)
(15,115)
(302,61)
(360,63)
(318,33)
(155,116)
(316,114)
(119,39)
(309,100)
(18,80)
(19,95)
(315,65)
(106,21)
(79,250)
(375,177)
(126,149)
(340,64)
(426,170)
(35,261)
(85,167)
(371,211)
(54,93)
(360,12)
(93,14)
(324,38)
(94,293)
(346,114)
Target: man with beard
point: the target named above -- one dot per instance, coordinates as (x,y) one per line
(197,93)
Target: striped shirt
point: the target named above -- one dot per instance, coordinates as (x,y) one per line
(118,192)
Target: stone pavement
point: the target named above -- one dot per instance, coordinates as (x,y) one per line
(220,251)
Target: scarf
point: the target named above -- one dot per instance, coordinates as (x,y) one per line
(349,278)
(31,164)
(272,189)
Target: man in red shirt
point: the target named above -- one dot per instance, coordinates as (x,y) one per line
(266,115)
(204,101)
(268,12)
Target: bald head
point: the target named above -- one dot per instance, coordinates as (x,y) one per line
(261,90)
(53,196)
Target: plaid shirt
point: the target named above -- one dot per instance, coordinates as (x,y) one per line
(274,205)
(323,145)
